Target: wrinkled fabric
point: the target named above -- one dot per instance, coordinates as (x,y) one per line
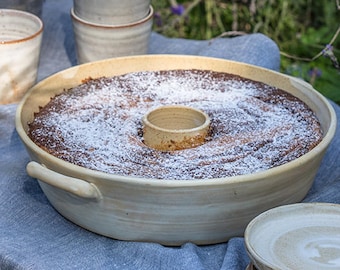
(34,236)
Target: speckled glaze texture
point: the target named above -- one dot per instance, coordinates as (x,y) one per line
(169,212)
(20,41)
(115,12)
(101,41)
(297,236)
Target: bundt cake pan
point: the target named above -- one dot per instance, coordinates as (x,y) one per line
(170,212)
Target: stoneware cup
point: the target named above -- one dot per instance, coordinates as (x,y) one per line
(175,127)
(20,42)
(114,12)
(101,41)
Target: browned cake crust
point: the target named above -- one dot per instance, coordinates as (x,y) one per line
(254,126)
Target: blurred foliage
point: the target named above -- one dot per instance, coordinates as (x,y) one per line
(301,28)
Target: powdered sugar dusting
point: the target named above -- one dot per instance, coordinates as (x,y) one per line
(98,125)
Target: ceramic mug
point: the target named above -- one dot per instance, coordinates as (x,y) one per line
(20,43)
(114,12)
(96,41)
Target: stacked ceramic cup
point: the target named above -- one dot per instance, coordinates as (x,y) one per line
(20,43)
(111,28)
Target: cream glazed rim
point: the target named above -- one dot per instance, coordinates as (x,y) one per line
(175,127)
(28,15)
(295,236)
(89,173)
(148,17)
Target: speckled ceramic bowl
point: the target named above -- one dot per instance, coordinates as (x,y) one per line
(169,212)
(296,236)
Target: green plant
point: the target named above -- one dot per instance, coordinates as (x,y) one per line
(306,31)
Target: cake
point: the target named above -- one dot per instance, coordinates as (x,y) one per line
(254,126)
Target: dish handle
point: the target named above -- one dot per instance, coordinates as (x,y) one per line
(72,185)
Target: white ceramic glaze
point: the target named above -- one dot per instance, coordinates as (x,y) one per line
(114,12)
(101,41)
(20,41)
(170,212)
(297,236)
(175,127)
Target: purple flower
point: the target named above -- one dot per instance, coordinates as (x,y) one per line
(177,9)
(315,72)
(158,19)
(327,50)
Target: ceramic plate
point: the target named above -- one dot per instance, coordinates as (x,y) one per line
(297,236)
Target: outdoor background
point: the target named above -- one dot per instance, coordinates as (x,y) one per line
(306,31)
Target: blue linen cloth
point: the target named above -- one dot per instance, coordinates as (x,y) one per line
(34,236)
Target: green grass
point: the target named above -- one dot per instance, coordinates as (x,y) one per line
(301,28)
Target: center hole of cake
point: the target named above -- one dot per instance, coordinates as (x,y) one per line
(175,127)
(176,118)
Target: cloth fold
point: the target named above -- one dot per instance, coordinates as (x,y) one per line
(35,236)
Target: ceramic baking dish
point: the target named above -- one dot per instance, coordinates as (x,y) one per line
(170,212)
